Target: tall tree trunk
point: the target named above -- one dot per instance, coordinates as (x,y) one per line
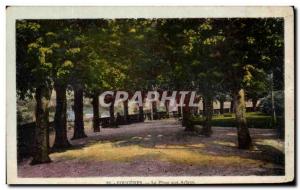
(206,130)
(221,106)
(78,110)
(112,119)
(244,139)
(60,119)
(154,110)
(186,118)
(41,151)
(178,107)
(179,111)
(141,114)
(95,103)
(167,109)
(203,105)
(186,115)
(232,106)
(125,105)
(254,102)
(274,115)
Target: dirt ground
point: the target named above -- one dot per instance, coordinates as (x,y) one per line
(162,148)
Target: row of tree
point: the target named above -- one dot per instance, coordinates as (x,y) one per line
(216,57)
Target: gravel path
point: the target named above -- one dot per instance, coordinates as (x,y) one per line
(162,148)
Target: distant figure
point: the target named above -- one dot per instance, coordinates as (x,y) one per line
(70,114)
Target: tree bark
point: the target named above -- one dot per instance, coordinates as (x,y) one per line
(232,106)
(203,105)
(186,116)
(206,130)
(179,111)
(78,110)
(244,139)
(125,105)
(141,114)
(60,119)
(95,103)
(221,106)
(154,110)
(167,109)
(41,149)
(254,102)
(112,119)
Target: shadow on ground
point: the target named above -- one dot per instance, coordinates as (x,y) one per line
(163,148)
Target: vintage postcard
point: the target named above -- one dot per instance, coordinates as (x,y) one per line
(150,95)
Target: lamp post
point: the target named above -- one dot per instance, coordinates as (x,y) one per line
(274,121)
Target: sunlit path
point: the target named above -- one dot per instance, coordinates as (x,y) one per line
(162,148)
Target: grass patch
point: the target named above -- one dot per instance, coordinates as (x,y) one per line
(254,120)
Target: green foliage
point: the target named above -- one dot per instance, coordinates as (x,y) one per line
(259,85)
(212,56)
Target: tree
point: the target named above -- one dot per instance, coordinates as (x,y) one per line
(174,64)
(203,40)
(249,44)
(79,72)
(60,75)
(235,50)
(97,53)
(271,41)
(41,153)
(33,78)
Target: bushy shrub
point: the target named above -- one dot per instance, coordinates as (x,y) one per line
(266,103)
(254,120)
